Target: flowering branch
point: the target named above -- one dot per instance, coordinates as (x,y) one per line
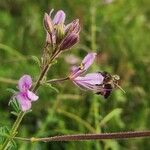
(85,137)
(60,38)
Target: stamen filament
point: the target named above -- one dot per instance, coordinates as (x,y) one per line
(120,88)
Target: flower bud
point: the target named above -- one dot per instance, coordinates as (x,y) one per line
(59,18)
(48,23)
(74,26)
(69,41)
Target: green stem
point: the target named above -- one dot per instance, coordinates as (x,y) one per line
(93,25)
(94,47)
(78,119)
(43,73)
(57,80)
(13,130)
(21,114)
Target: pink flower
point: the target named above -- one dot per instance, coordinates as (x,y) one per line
(25,96)
(90,81)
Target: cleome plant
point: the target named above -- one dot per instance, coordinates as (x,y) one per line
(60,38)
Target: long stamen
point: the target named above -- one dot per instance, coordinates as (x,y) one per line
(120,87)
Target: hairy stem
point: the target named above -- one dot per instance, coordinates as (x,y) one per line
(84,137)
(41,78)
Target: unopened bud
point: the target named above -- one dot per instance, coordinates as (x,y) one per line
(48,24)
(74,26)
(69,41)
(59,17)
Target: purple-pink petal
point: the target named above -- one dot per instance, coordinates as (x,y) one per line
(25,83)
(88,60)
(90,81)
(83,85)
(24,102)
(74,68)
(92,78)
(86,63)
(32,96)
(75,72)
(59,17)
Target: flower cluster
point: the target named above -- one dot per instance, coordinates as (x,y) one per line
(62,37)
(59,34)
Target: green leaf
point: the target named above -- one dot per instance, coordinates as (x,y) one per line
(12,145)
(36,60)
(15,105)
(4,132)
(54,62)
(14,113)
(11,51)
(11,90)
(111,144)
(109,116)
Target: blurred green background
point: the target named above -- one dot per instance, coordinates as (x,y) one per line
(119,31)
